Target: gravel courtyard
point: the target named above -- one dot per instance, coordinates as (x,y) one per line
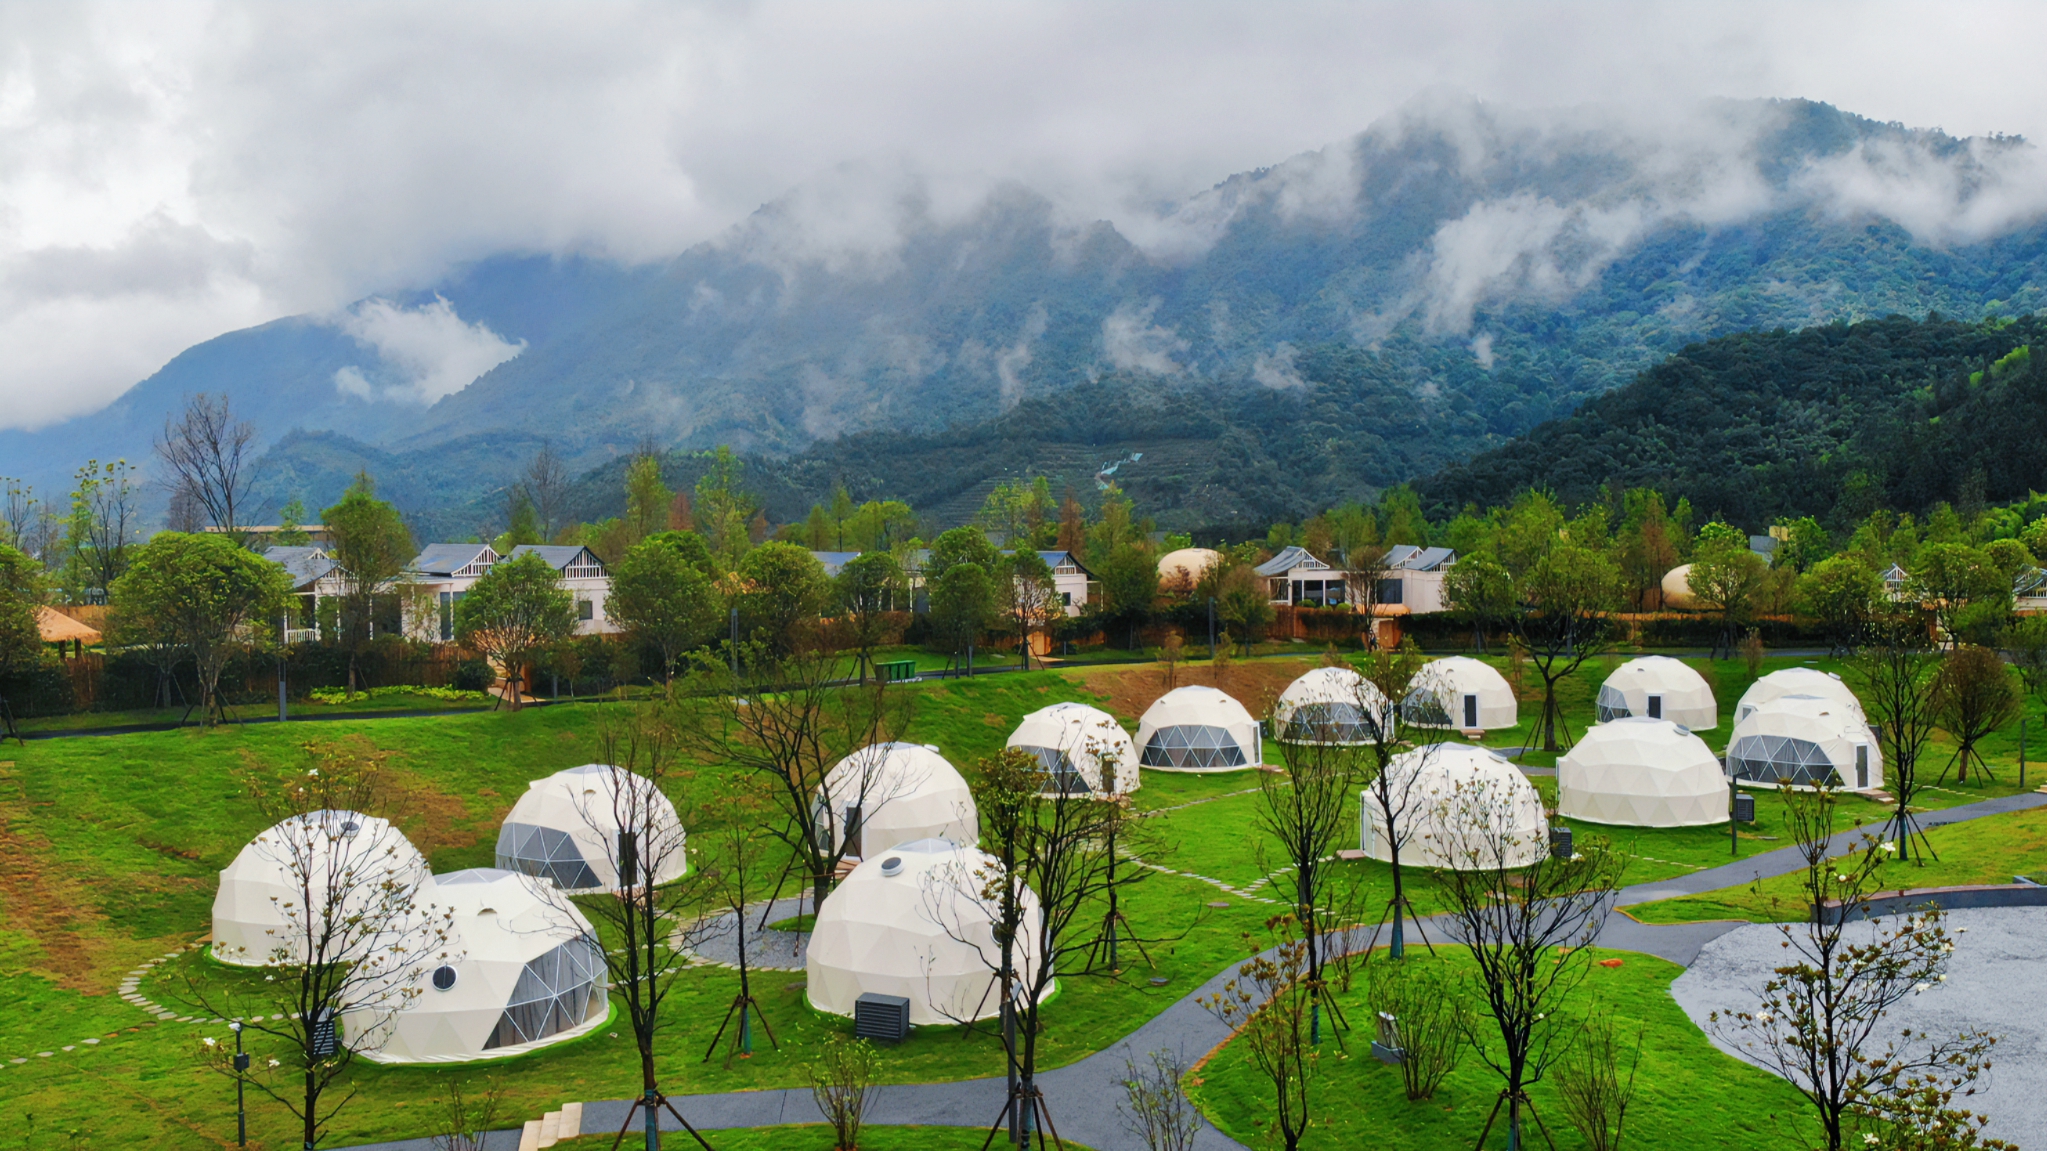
(1994,982)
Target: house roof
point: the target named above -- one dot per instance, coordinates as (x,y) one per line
(306,565)
(834,561)
(1290,559)
(2030,581)
(1408,557)
(558,556)
(447,559)
(1054,558)
(56,627)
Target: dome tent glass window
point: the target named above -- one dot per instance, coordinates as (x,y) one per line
(1080,748)
(1463,693)
(573,827)
(1198,729)
(1659,687)
(891,793)
(1804,741)
(1331,705)
(552,995)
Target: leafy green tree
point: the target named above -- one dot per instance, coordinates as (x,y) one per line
(962,603)
(646,497)
(23,588)
(290,520)
(867,588)
(1648,545)
(1719,535)
(1565,619)
(1025,513)
(968,544)
(208,593)
(1948,577)
(879,525)
(1243,605)
(1730,579)
(1482,592)
(514,612)
(1130,585)
(1808,544)
(662,597)
(1842,593)
(1028,596)
(369,542)
(522,523)
(1400,510)
(1115,525)
(101,528)
(782,587)
(722,508)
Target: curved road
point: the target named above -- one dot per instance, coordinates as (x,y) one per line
(1084,1096)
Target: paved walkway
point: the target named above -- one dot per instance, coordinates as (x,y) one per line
(1084,1097)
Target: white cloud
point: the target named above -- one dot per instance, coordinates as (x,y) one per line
(175,170)
(1135,344)
(1482,350)
(1011,361)
(1275,369)
(429,350)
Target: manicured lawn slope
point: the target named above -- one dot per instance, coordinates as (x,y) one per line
(1688,1093)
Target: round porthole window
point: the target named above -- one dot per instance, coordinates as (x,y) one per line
(893,865)
(444,978)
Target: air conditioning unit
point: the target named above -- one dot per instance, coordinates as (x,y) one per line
(881,1018)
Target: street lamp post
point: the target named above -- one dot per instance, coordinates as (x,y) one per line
(241,1069)
(1211,629)
(283,636)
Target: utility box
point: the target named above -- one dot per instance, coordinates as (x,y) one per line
(1386,1047)
(881,1018)
(325,1040)
(1560,843)
(1744,807)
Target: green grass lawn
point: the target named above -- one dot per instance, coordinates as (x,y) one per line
(1688,1094)
(1988,850)
(110,848)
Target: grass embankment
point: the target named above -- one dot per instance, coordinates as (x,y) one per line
(1688,1094)
(1988,850)
(815,1137)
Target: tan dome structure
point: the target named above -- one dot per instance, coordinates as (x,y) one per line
(1463,693)
(1677,587)
(1804,741)
(892,793)
(1078,746)
(566,829)
(911,922)
(1198,729)
(1447,787)
(1188,563)
(259,916)
(520,970)
(1332,705)
(1641,772)
(1659,687)
(1796,681)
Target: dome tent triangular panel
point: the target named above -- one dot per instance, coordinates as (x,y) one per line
(1804,741)
(1659,687)
(1641,772)
(258,908)
(1463,693)
(1796,681)
(1455,803)
(892,793)
(520,971)
(1073,743)
(1198,729)
(1332,705)
(911,922)
(565,828)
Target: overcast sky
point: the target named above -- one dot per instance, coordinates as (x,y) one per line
(170,172)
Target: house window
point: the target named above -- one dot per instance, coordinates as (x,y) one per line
(1390,591)
(586,610)
(1066,598)
(447,617)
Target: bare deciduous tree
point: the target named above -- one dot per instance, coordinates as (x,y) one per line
(1393,797)
(1154,1109)
(208,455)
(1894,671)
(1820,1015)
(1309,810)
(842,1082)
(1597,1079)
(1973,696)
(1267,1006)
(466,1115)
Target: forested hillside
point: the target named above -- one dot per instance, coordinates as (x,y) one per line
(1833,421)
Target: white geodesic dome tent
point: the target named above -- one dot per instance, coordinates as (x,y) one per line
(520,971)
(1642,772)
(1190,563)
(1439,791)
(892,793)
(911,922)
(1677,587)
(1332,705)
(1796,681)
(1804,740)
(1073,743)
(565,829)
(1463,693)
(258,909)
(1659,687)
(1198,729)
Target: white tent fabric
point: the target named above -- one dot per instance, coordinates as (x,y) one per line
(520,971)
(565,829)
(1331,705)
(911,922)
(1440,791)
(1463,693)
(1073,742)
(1198,729)
(1187,563)
(1804,740)
(892,793)
(1796,681)
(1677,587)
(258,916)
(1659,687)
(1642,772)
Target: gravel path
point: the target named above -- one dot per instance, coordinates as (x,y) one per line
(1993,983)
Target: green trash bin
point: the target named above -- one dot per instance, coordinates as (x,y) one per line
(897,670)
